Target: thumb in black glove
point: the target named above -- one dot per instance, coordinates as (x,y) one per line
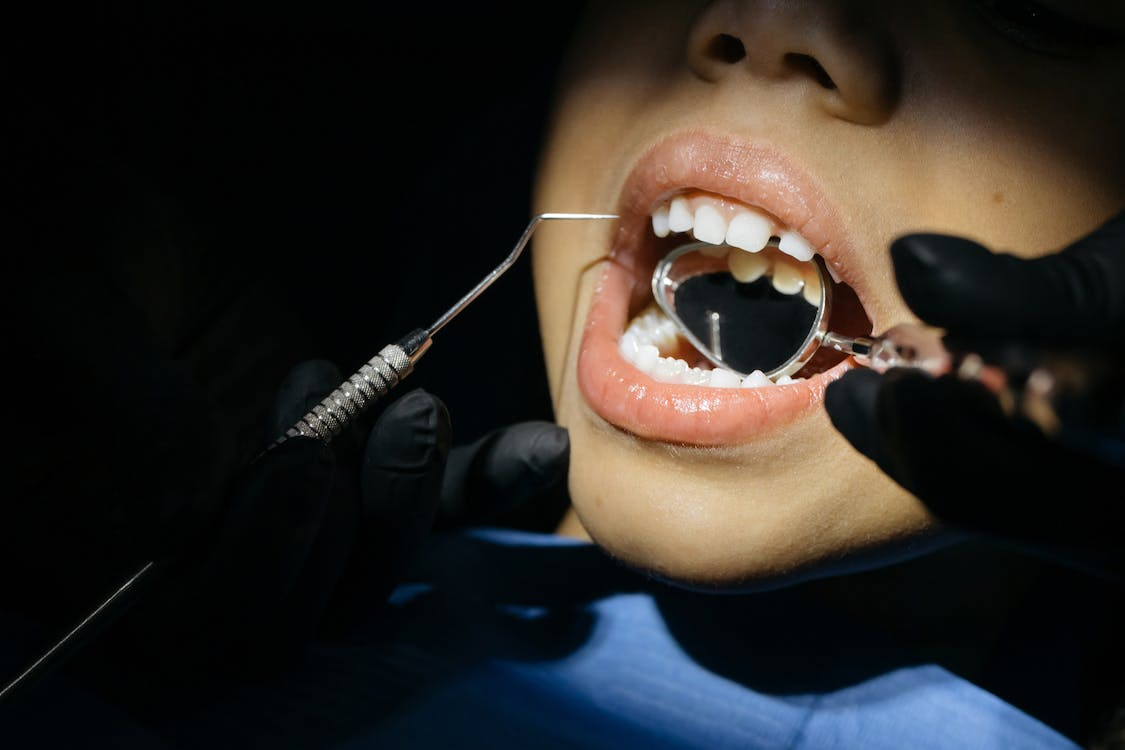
(316,535)
(947,440)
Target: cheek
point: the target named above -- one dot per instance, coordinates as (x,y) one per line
(1023,159)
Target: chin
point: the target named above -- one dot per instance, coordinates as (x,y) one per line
(680,468)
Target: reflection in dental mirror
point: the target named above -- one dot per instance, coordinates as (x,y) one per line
(764,315)
(745,311)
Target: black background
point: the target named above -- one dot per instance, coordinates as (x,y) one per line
(270,184)
(203,196)
(263,184)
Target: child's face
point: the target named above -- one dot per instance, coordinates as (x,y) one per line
(850,123)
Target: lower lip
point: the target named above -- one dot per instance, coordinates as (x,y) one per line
(626,397)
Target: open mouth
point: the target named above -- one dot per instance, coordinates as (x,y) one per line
(758,219)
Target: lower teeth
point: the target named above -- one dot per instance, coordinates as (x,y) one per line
(652,334)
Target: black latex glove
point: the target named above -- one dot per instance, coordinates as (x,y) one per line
(315,536)
(948,442)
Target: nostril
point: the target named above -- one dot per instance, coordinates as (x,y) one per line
(809,66)
(726,48)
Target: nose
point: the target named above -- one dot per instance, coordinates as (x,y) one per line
(847,65)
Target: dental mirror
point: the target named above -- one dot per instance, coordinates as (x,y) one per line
(761,311)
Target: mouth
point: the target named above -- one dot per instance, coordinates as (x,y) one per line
(757,215)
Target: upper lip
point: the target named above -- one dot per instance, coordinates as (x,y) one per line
(757,175)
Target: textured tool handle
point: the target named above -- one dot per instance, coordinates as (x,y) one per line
(336,411)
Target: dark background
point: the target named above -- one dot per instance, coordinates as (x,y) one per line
(204,195)
(270,184)
(231,189)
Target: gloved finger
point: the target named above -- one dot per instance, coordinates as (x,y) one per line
(304,386)
(503,470)
(309,606)
(302,389)
(403,465)
(851,403)
(1073,297)
(948,442)
(936,433)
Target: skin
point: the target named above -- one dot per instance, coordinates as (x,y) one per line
(938,121)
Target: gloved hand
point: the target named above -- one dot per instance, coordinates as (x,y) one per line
(315,536)
(947,440)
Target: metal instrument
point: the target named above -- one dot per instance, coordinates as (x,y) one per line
(1072,396)
(325,421)
(395,361)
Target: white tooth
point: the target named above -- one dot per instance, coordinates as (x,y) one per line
(665,334)
(680,218)
(756,379)
(721,378)
(785,380)
(629,346)
(833,273)
(640,331)
(749,230)
(709,225)
(647,357)
(660,222)
(787,277)
(669,369)
(747,267)
(696,376)
(812,285)
(795,245)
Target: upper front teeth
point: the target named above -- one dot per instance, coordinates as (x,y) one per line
(709,225)
(720,222)
(749,230)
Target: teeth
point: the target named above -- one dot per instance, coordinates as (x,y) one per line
(747,267)
(669,369)
(724,379)
(651,335)
(651,327)
(709,225)
(795,245)
(629,345)
(652,332)
(696,376)
(647,357)
(680,218)
(812,287)
(756,379)
(833,273)
(660,222)
(788,277)
(749,231)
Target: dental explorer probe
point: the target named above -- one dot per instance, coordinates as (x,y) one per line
(325,421)
(395,361)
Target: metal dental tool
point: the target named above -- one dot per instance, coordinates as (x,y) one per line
(325,421)
(395,361)
(777,333)
(1076,396)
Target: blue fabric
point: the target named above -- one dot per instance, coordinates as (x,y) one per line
(512,640)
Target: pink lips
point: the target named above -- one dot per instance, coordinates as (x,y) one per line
(628,398)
